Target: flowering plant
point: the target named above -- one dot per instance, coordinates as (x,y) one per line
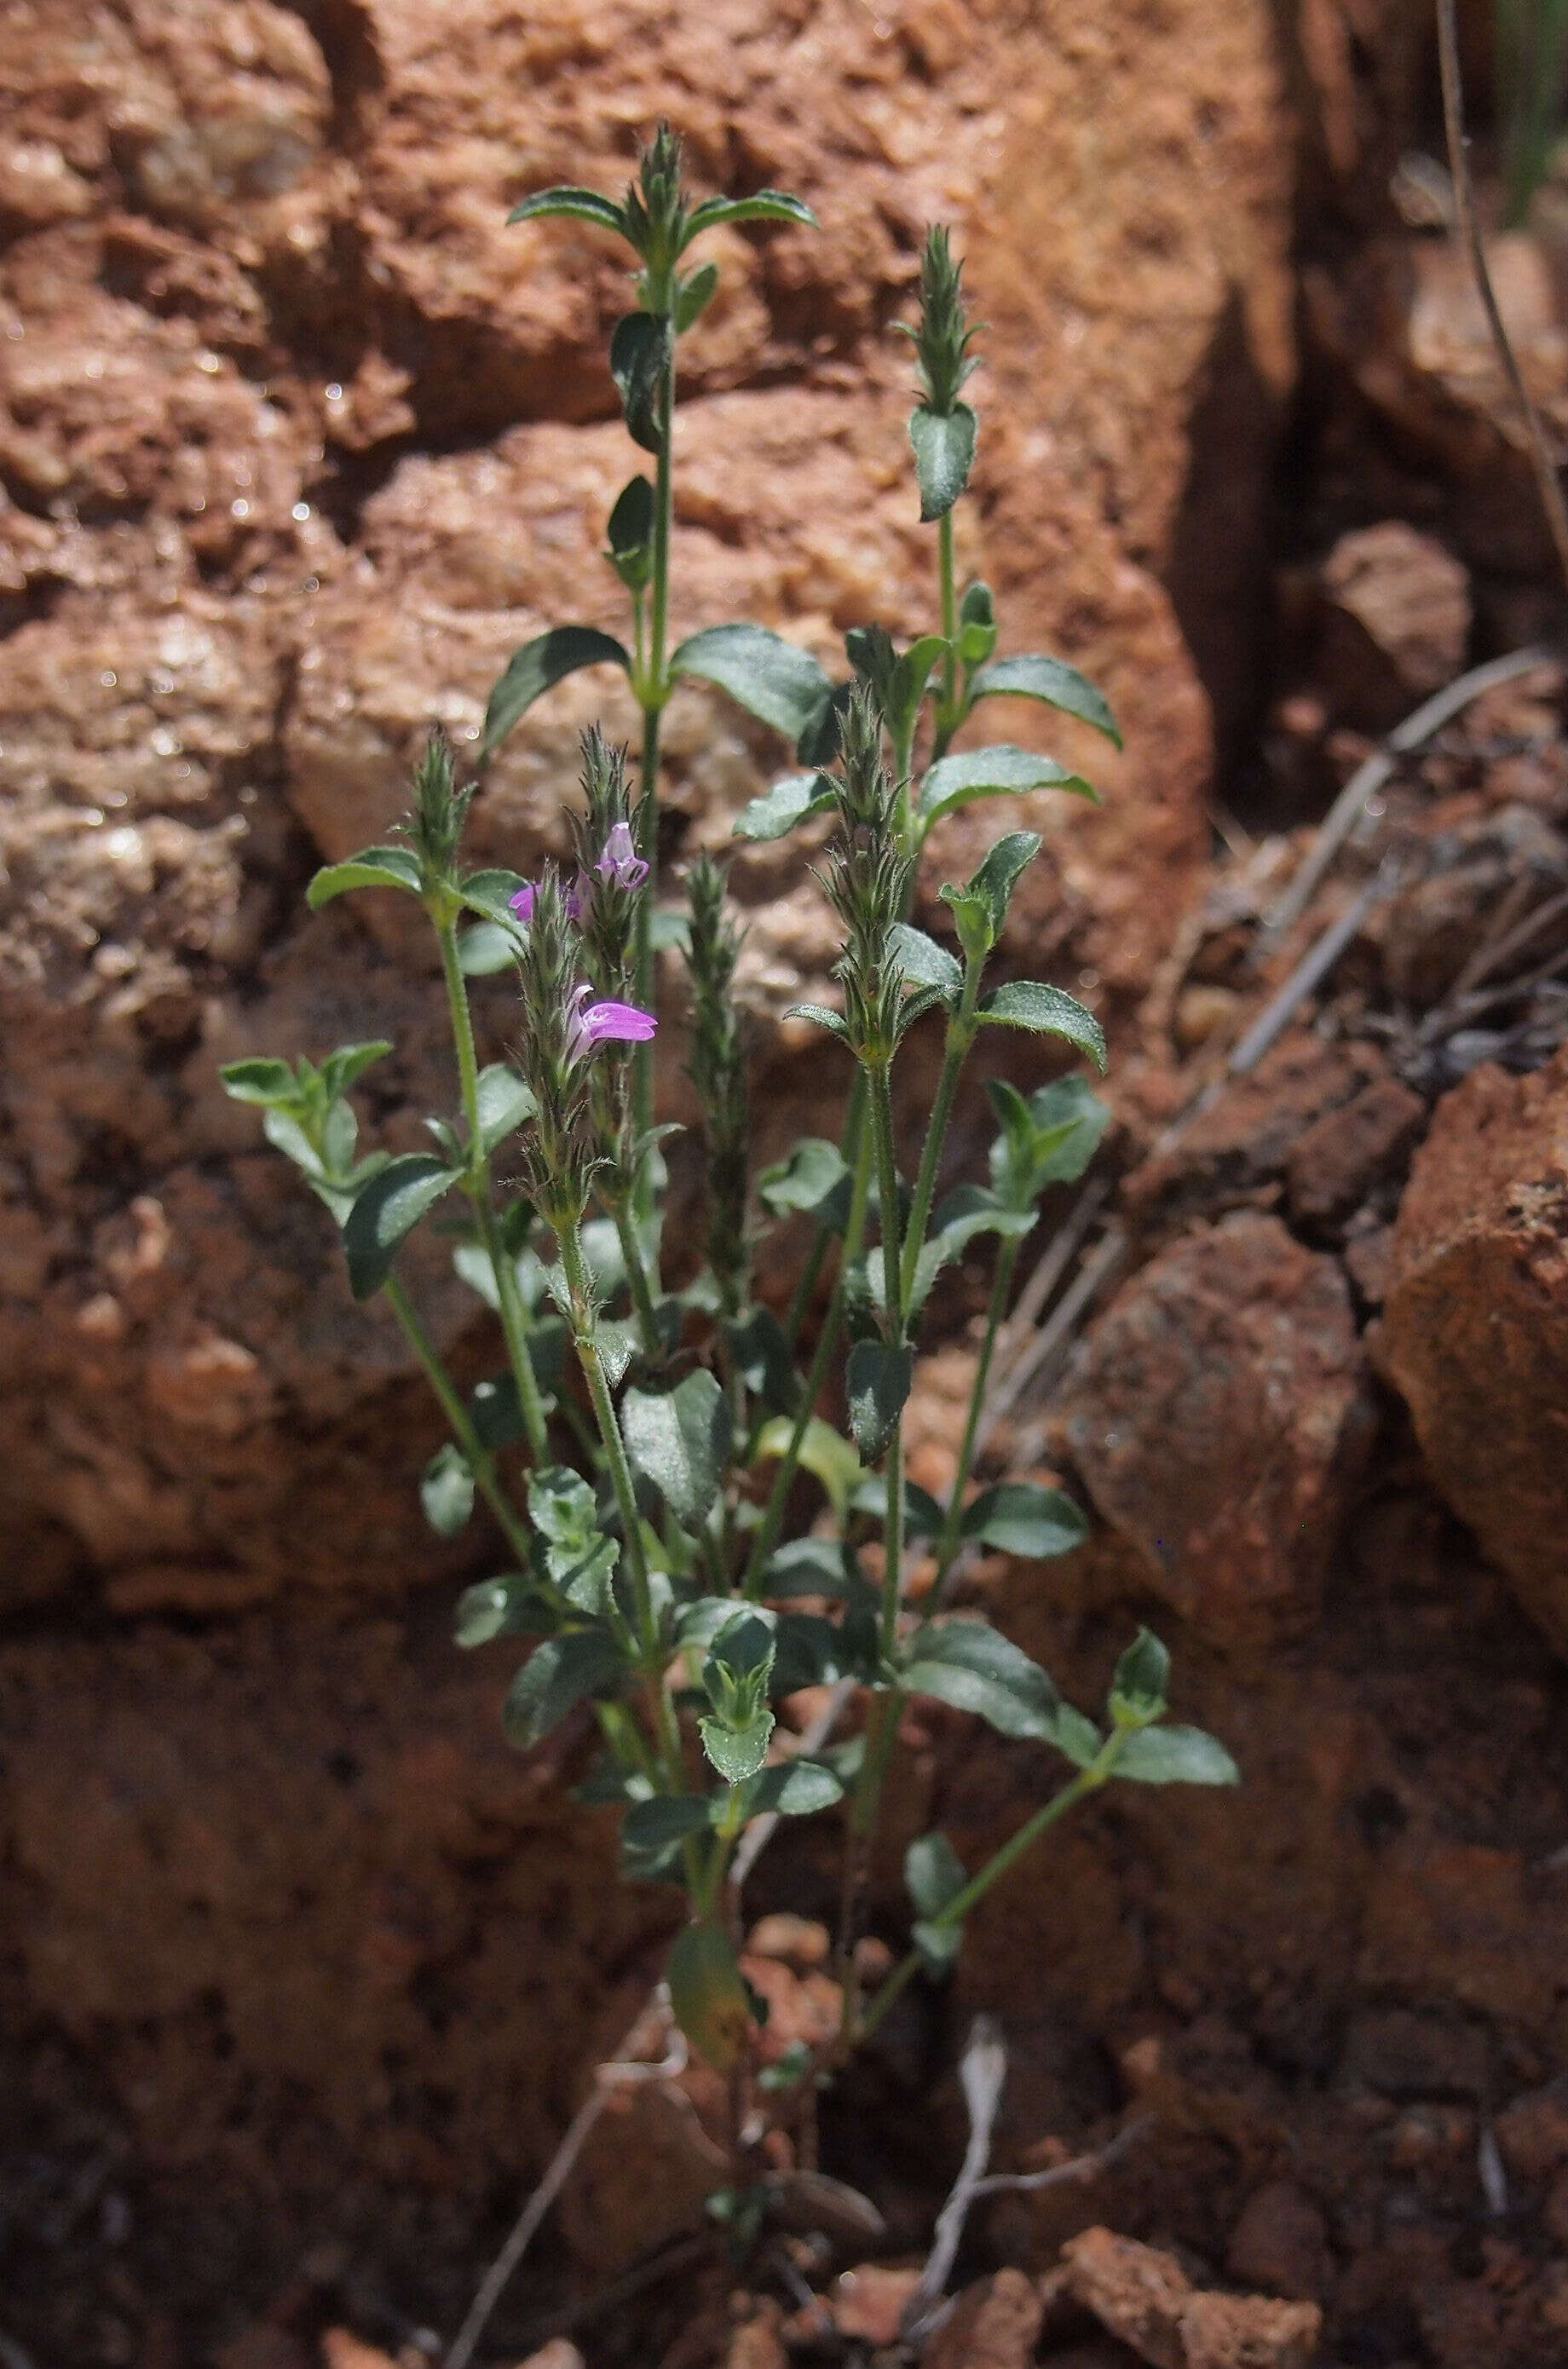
(704,1504)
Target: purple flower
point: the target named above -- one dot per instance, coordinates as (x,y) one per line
(521,903)
(619,860)
(589,1025)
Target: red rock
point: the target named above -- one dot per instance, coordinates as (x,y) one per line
(1216,1412)
(868,2303)
(1237,1151)
(1397,623)
(1280,2243)
(1475,1321)
(1144,2297)
(257,254)
(993,2324)
(1532,2132)
(1347,1152)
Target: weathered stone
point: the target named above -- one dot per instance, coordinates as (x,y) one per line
(1494,870)
(1280,2244)
(1475,1321)
(269,511)
(1406,320)
(1396,621)
(1217,1412)
(993,2324)
(1144,2297)
(1345,1155)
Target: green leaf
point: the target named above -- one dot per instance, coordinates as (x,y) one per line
(804,1182)
(692,294)
(559,1674)
(820,1017)
(373,867)
(737,1753)
(979,907)
(878,1379)
(1001,771)
(977,624)
(934,1873)
(496,1607)
(262,1082)
(818,744)
(532,668)
(1047,1139)
(489,894)
(1176,1755)
(967,1213)
(682,1441)
(938,1945)
(824,1452)
(348,1065)
(923,962)
(707,1996)
(743,1647)
(797,1789)
(581,205)
(807,1567)
(1021,1518)
(285,1134)
(483,948)
(1048,1011)
(1076,1737)
(907,684)
(390,1206)
(972,1667)
(639,350)
(759,1353)
(446,1491)
(630,534)
(794,800)
(1032,676)
(651,1830)
(768,677)
(504,1102)
(945,452)
(766,205)
(1140,1683)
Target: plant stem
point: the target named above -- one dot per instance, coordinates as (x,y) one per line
(1087,1780)
(636,1275)
(480,1461)
(960,1037)
(996,1311)
(849,1145)
(789,1462)
(653,693)
(946,713)
(514,1316)
(881,1102)
(614,1447)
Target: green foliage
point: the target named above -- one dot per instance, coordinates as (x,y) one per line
(703,1497)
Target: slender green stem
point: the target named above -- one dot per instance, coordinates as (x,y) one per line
(1087,1780)
(514,1316)
(827,1340)
(477,1457)
(849,1145)
(653,693)
(960,1037)
(996,1311)
(881,1102)
(614,1447)
(948,590)
(637,1276)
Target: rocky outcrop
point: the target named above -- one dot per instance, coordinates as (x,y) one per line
(1475,1326)
(298,441)
(1217,1412)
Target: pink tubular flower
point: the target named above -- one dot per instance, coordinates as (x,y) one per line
(521,903)
(589,1025)
(619,860)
